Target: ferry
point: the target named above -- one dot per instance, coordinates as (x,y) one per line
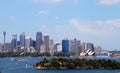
(103,55)
(19,59)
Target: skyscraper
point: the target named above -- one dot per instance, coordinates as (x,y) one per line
(90,46)
(22,39)
(51,45)
(65,45)
(83,47)
(28,42)
(46,42)
(38,40)
(14,42)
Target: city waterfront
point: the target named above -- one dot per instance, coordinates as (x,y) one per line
(11,65)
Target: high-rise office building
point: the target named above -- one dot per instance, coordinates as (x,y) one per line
(33,43)
(65,45)
(38,40)
(90,46)
(22,39)
(14,42)
(46,43)
(28,46)
(74,46)
(83,47)
(28,42)
(51,45)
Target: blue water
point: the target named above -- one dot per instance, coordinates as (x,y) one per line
(8,66)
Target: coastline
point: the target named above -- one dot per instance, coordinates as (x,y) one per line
(77,64)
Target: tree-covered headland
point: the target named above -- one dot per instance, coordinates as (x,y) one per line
(62,63)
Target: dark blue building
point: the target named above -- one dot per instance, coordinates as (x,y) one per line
(38,40)
(33,43)
(65,45)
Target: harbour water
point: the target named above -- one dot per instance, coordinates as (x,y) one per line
(11,65)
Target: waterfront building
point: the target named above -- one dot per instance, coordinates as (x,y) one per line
(65,45)
(38,40)
(7,46)
(14,41)
(22,39)
(46,43)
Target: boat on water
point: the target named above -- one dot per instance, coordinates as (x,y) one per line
(26,65)
(19,59)
(103,55)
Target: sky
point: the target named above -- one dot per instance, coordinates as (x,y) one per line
(95,21)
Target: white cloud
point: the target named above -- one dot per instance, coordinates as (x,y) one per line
(43,12)
(12,18)
(98,27)
(109,2)
(76,28)
(76,1)
(48,1)
(57,18)
(111,23)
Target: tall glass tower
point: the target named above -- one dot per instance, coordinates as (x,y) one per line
(14,42)
(38,40)
(22,39)
(65,45)
(90,46)
(28,42)
(46,42)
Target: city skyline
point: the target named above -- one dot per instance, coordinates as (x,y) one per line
(96,21)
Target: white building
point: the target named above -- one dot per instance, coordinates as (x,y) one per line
(59,47)
(28,43)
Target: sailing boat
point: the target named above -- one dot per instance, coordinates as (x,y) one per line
(26,65)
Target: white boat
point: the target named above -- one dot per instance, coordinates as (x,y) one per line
(103,55)
(26,65)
